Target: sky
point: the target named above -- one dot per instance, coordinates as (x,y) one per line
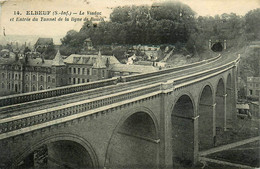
(9,8)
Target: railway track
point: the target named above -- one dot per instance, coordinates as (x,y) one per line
(27,107)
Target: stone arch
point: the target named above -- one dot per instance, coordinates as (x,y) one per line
(182,118)
(220,98)
(188,94)
(229,99)
(134,142)
(59,138)
(206,115)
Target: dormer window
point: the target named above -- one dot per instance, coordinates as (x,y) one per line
(76,59)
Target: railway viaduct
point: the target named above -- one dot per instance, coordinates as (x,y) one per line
(154,120)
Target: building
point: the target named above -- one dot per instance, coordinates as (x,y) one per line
(253,87)
(88,68)
(27,73)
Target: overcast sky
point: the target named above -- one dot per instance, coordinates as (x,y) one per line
(48,28)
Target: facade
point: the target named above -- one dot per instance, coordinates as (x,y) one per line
(88,68)
(253,87)
(28,73)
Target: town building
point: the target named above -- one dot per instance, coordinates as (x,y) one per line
(253,87)
(27,73)
(88,68)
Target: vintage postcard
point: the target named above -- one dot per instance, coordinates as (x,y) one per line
(129,84)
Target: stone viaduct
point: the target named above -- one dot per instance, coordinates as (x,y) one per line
(154,120)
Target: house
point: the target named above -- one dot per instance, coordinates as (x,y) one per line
(253,87)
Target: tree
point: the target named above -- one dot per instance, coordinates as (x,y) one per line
(49,52)
(72,42)
(252,24)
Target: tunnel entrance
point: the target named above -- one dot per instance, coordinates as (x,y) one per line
(217,47)
(134,144)
(58,155)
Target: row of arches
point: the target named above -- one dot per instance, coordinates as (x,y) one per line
(202,126)
(135,142)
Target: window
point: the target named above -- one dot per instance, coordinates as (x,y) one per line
(78,70)
(88,72)
(49,78)
(16,88)
(250,92)
(41,88)
(16,76)
(83,71)
(70,70)
(83,80)
(53,80)
(9,75)
(3,85)
(74,80)
(78,80)
(26,77)
(19,76)
(48,87)
(74,69)
(9,86)
(33,88)
(3,75)
(87,80)
(41,78)
(34,77)
(12,75)
(103,73)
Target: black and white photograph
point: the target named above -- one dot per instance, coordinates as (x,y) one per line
(129,84)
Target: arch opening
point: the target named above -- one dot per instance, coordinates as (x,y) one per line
(220,106)
(217,47)
(62,154)
(205,126)
(183,131)
(134,143)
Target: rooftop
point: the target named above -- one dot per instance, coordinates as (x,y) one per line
(91,59)
(58,61)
